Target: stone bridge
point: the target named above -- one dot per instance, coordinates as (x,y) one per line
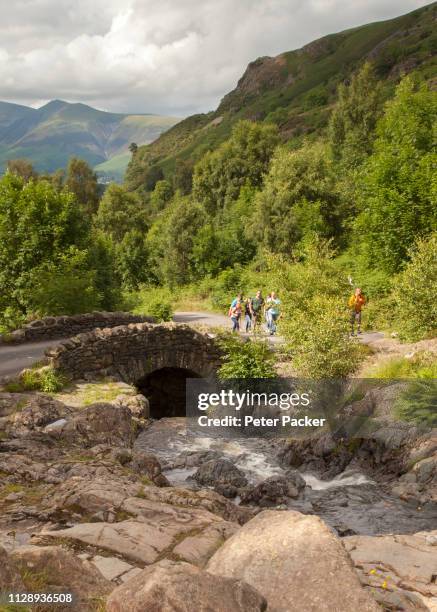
(157,359)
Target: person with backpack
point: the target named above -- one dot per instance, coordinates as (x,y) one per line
(235,314)
(356,303)
(257,304)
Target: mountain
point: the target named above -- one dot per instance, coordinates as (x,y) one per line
(50,135)
(296,89)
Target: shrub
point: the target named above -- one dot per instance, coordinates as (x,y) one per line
(415,292)
(418,403)
(45,379)
(250,359)
(153,301)
(421,365)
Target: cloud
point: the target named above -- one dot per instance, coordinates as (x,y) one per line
(172,56)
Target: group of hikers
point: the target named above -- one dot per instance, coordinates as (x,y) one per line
(255,308)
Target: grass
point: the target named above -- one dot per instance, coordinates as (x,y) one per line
(45,379)
(421,365)
(89,393)
(418,403)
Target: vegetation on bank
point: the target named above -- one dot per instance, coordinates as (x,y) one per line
(252,213)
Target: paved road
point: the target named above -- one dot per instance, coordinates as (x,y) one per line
(13,359)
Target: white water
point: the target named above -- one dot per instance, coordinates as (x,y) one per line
(344,479)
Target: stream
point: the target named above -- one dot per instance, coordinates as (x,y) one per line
(352,503)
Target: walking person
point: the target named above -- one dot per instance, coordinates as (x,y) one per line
(235,314)
(273,304)
(356,303)
(257,304)
(267,311)
(248,314)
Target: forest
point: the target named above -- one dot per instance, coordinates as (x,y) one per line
(353,203)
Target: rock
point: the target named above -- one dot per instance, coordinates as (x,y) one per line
(295,561)
(149,466)
(102,423)
(273,491)
(398,569)
(168,586)
(62,572)
(154,530)
(199,548)
(223,475)
(10,578)
(137,404)
(111,568)
(38,411)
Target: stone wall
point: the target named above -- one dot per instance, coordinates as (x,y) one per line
(130,352)
(50,328)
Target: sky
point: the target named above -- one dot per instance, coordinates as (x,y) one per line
(173,57)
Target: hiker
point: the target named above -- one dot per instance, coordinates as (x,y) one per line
(248,314)
(238,298)
(235,313)
(356,303)
(257,304)
(273,312)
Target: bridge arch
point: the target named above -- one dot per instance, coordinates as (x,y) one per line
(155,358)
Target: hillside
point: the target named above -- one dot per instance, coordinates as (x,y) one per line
(296,89)
(50,135)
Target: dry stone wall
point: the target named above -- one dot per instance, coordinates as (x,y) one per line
(130,352)
(50,328)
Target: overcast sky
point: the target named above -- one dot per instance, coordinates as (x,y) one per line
(163,56)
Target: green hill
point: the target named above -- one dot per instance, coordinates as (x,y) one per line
(50,135)
(296,89)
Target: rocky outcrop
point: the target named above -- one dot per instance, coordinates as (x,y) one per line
(399,570)
(295,561)
(274,491)
(221,474)
(130,352)
(50,328)
(168,586)
(10,578)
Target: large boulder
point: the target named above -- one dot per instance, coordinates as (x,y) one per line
(36,412)
(221,474)
(62,571)
(168,586)
(102,423)
(296,562)
(148,465)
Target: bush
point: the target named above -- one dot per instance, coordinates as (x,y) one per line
(418,403)
(250,359)
(45,379)
(153,301)
(421,365)
(415,292)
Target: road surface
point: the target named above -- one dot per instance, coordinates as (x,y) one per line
(14,358)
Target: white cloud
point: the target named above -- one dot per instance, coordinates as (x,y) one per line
(171,56)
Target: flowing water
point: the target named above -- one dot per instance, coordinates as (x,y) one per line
(352,502)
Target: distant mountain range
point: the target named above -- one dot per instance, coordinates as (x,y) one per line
(50,135)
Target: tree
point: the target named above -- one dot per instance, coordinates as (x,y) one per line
(354,118)
(242,160)
(133,148)
(133,264)
(298,198)
(160,196)
(22,168)
(399,184)
(38,225)
(119,212)
(183,176)
(82,181)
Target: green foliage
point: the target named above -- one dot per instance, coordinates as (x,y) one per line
(415,292)
(422,364)
(160,196)
(399,185)
(132,261)
(354,117)
(45,379)
(38,226)
(314,294)
(418,403)
(242,160)
(81,180)
(119,212)
(64,287)
(250,359)
(298,198)
(154,301)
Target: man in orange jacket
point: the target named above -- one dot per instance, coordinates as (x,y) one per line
(356,303)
